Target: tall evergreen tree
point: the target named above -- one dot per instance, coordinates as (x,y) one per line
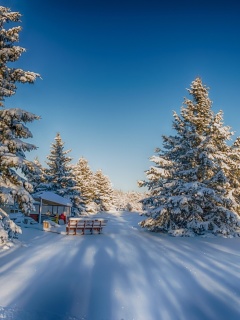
(84,178)
(13,188)
(59,172)
(9,52)
(189,188)
(104,191)
(233,172)
(60,177)
(37,176)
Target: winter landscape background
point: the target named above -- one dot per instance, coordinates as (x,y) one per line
(113,72)
(104,78)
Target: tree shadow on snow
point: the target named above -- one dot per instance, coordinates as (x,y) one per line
(124,273)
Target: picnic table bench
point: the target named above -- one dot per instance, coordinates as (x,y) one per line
(81,224)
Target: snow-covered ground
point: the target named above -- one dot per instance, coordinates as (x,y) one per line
(125,273)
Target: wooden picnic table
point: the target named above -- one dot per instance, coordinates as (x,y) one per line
(75,224)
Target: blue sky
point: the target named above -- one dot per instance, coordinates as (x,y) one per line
(113,72)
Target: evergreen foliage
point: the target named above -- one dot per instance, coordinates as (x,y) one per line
(128,201)
(14,188)
(104,191)
(37,176)
(84,178)
(85,184)
(59,175)
(13,162)
(189,185)
(11,53)
(8,229)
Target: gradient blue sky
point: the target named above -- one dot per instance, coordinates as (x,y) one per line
(113,72)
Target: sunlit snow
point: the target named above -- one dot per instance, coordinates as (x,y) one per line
(125,273)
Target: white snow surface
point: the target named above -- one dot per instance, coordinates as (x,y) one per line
(125,273)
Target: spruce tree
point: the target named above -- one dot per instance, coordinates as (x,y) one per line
(37,176)
(104,191)
(189,188)
(13,163)
(84,178)
(85,184)
(9,52)
(59,172)
(59,175)
(233,173)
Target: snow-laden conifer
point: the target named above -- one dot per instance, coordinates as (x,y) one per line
(189,188)
(59,175)
(85,183)
(37,176)
(59,171)
(84,179)
(104,191)
(13,187)
(13,163)
(233,173)
(9,52)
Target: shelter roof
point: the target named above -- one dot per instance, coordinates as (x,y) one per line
(51,198)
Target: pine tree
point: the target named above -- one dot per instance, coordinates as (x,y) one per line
(37,176)
(233,172)
(104,191)
(189,188)
(84,180)
(85,184)
(13,163)
(59,174)
(11,53)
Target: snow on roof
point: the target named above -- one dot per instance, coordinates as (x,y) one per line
(51,198)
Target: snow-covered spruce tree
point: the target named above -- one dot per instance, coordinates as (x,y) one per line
(13,188)
(85,183)
(59,175)
(85,179)
(189,190)
(37,176)
(233,172)
(11,53)
(104,191)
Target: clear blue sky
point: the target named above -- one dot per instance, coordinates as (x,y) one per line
(113,72)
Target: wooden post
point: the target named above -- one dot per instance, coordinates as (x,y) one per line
(40,211)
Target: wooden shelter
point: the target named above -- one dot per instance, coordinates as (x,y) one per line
(48,203)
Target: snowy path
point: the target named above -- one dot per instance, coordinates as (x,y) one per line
(124,274)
